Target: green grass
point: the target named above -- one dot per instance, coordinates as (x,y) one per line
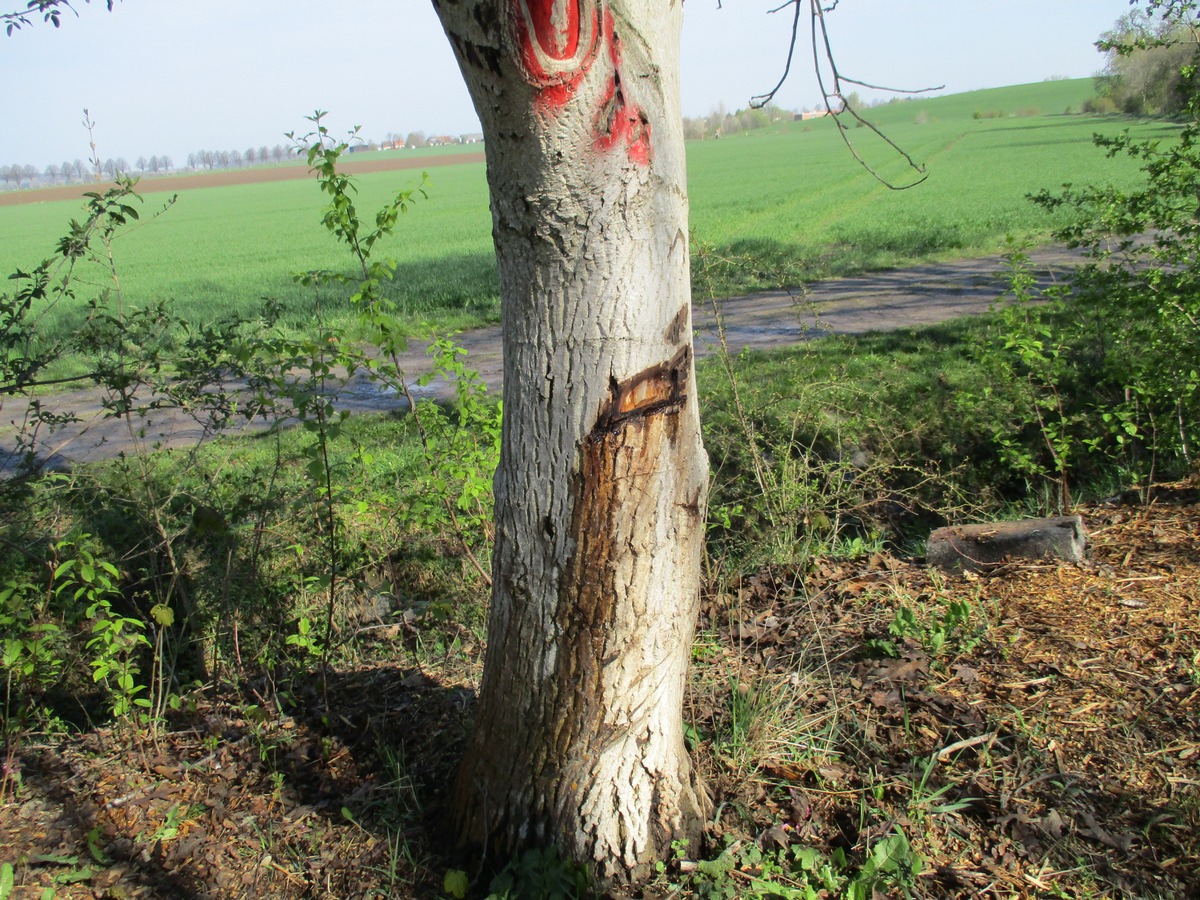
(792,199)
(858,435)
(889,429)
(223,249)
(788,201)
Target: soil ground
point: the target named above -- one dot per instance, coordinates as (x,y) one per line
(1050,747)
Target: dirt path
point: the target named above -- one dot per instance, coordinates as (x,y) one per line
(883,301)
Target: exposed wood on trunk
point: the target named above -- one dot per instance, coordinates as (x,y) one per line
(602,483)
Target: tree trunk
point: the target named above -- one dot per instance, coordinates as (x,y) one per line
(602,483)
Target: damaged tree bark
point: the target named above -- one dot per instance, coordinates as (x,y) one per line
(602,483)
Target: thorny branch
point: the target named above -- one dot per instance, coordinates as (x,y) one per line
(835,99)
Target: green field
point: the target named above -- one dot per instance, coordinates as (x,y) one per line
(794,196)
(778,205)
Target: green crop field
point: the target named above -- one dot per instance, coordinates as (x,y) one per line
(222,249)
(777,205)
(794,199)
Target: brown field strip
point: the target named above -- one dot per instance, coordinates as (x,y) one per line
(254,175)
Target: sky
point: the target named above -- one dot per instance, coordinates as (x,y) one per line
(177,76)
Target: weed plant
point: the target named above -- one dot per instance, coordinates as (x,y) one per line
(842,443)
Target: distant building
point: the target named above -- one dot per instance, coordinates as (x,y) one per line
(471,139)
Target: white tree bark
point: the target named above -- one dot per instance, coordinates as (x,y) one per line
(602,483)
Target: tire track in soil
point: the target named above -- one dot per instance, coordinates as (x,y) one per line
(879,301)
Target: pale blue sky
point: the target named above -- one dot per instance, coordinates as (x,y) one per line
(175,76)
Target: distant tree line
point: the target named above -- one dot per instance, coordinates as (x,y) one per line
(254,156)
(78,171)
(235,159)
(155,164)
(1148,55)
(720,122)
(18,176)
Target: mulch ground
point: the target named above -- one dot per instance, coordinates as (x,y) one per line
(1069,737)
(1047,745)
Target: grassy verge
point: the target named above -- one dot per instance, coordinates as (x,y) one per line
(850,442)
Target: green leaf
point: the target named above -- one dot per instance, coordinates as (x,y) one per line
(93,845)
(57,859)
(456,883)
(76,876)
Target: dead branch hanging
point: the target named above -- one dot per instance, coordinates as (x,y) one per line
(821,47)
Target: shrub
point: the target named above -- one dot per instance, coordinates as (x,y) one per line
(1102,106)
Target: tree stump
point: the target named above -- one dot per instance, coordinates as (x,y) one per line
(973,548)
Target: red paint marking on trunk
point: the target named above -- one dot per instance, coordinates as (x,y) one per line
(639,147)
(555,97)
(620,123)
(610,37)
(555,26)
(556,42)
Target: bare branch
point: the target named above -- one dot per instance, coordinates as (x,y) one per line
(763,99)
(894,90)
(822,49)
